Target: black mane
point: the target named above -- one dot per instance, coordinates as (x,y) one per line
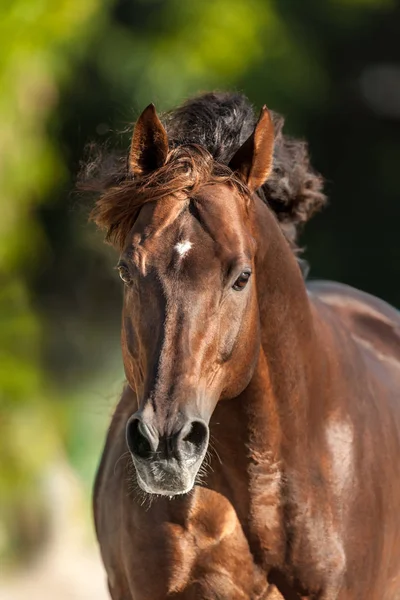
(221,122)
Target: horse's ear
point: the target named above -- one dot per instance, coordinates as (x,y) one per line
(253,161)
(149,147)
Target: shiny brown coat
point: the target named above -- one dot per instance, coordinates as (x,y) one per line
(297,389)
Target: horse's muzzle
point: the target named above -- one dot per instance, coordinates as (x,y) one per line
(167,464)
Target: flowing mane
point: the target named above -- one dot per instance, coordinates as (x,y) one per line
(204,133)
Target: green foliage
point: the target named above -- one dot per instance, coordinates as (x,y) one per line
(200,45)
(40,41)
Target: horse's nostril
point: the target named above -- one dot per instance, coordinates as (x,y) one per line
(144,443)
(139,439)
(196,438)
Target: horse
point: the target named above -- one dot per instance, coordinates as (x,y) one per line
(254,452)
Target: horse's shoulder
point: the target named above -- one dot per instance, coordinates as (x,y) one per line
(373,323)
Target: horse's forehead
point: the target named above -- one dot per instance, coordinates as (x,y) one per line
(171,233)
(218,206)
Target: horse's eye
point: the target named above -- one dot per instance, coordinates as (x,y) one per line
(241,281)
(124,274)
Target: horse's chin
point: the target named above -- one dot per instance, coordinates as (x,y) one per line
(164,482)
(161,491)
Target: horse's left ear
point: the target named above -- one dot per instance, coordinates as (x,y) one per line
(149,147)
(253,161)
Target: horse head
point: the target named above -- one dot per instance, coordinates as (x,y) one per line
(185,226)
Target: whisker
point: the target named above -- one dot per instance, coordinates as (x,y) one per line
(213,448)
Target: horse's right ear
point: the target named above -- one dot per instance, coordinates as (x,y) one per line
(149,147)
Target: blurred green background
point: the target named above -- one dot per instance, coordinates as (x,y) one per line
(73,72)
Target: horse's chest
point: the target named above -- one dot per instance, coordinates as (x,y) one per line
(294,530)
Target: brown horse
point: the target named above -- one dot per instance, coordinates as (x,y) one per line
(255,450)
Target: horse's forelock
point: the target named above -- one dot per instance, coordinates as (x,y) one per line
(186,169)
(204,133)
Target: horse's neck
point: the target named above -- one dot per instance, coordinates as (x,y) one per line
(292,357)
